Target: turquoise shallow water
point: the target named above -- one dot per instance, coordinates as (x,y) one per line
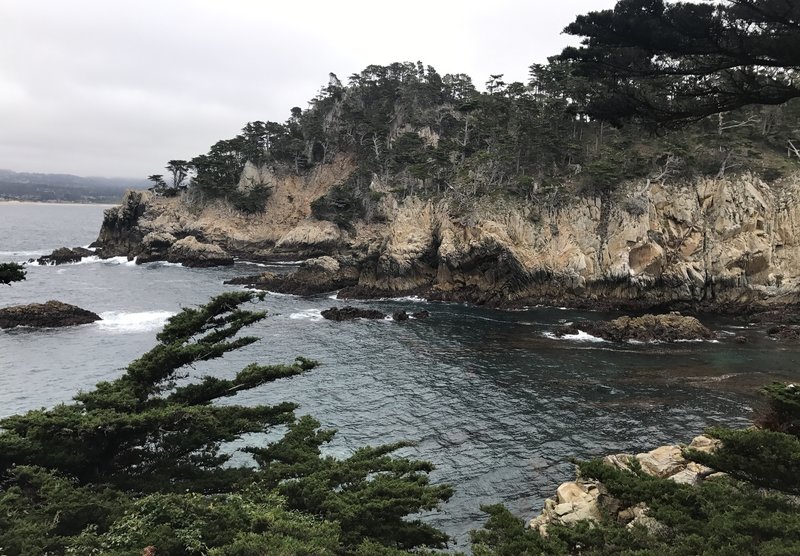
(497,405)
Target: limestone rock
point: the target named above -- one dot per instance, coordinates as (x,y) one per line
(312,277)
(190,252)
(583,500)
(155,247)
(311,235)
(662,462)
(720,244)
(50,314)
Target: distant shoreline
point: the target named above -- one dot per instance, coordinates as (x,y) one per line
(81,204)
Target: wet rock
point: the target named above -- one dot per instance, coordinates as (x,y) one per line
(740,339)
(312,277)
(421,314)
(190,252)
(65,255)
(672,327)
(51,314)
(352,313)
(786,332)
(399,315)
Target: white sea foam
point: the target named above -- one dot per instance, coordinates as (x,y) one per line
(94,259)
(308,314)
(122,322)
(166,263)
(278,294)
(285,263)
(414,298)
(581,336)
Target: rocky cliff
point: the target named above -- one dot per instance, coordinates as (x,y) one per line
(707,244)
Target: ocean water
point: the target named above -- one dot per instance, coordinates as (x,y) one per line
(496,403)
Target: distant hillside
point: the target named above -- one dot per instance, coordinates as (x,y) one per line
(23,186)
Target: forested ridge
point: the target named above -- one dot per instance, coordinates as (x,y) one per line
(658,91)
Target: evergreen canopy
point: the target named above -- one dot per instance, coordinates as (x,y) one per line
(672,63)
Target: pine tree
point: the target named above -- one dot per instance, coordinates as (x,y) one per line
(141,460)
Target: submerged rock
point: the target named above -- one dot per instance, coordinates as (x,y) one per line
(51,314)
(352,313)
(65,255)
(190,252)
(672,327)
(421,314)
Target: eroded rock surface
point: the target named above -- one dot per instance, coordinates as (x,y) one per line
(587,500)
(51,314)
(312,277)
(672,327)
(729,244)
(190,252)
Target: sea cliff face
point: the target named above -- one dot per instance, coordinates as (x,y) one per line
(716,244)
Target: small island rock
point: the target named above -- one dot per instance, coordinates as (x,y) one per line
(672,327)
(351,313)
(51,314)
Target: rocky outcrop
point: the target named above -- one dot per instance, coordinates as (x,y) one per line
(786,332)
(314,276)
(285,228)
(51,314)
(65,255)
(190,252)
(155,246)
(672,327)
(729,244)
(587,500)
(352,313)
(120,234)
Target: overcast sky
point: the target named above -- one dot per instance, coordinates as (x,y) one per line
(118,87)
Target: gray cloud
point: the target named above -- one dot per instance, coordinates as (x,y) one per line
(93,87)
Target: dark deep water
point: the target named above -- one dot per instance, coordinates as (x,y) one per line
(494,403)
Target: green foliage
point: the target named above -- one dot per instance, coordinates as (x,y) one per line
(142,461)
(429,135)
(343,203)
(678,62)
(11,272)
(718,517)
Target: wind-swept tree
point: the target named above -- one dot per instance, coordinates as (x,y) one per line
(143,460)
(11,272)
(179,170)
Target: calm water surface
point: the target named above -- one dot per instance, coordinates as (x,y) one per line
(494,403)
